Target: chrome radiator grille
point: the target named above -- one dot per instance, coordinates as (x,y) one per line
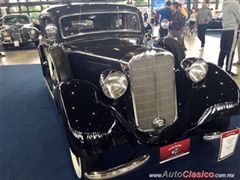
(153,90)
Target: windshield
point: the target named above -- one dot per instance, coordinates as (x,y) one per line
(74,25)
(12,20)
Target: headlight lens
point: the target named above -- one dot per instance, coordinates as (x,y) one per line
(5,33)
(165,24)
(32,31)
(114,84)
(198,70)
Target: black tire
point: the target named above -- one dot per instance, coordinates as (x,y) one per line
(174,47)
(82,163)
(61,64)
(61,71)
(6,47)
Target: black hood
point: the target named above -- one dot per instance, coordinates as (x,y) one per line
(112,48)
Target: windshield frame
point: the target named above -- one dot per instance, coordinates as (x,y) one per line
(99,32)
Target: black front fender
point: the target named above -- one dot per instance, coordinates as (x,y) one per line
(217,93)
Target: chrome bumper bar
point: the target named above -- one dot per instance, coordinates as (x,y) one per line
(119,170)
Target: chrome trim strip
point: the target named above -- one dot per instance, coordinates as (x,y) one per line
(216,108)
(119,170)
(97,32)
(98,56)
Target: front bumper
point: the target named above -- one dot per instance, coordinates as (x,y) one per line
(119,170)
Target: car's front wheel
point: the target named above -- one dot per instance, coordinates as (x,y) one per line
(82,163)
(6,46)
(77,164)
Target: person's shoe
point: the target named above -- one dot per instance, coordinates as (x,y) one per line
(232,74)
(201,49)
(237,63)
(2,54)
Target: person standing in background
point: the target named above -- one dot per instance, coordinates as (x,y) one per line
(145,16)
(178,22)
(229,37)
(238,47)
(203,17)
(165,13)
(2,53)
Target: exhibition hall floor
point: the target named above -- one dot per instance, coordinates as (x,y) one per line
(33,144)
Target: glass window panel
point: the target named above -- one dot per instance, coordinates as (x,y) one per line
(14,9)
(45,6)
(35,15)
(24,9)
(109,22)
(11,1)
(34,8)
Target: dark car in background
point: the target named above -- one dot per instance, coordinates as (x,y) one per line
(115,88)
(216,22)
(0,23)
(18,30)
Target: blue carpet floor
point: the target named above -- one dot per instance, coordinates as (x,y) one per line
(33,145)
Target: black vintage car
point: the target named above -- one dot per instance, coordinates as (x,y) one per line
(115,87)
(17,30)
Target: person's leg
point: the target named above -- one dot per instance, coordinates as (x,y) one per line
(201,34)
(204,29)
(223,53)
(233,38)
(238,49)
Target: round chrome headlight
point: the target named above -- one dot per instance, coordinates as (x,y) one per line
(32,31)
(164,24)
(114,84)
(5,33)
(198,70)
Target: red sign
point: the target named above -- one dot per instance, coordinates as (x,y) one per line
(175,150)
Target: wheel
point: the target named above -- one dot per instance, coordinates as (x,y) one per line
(82,163)
(77,165)
(6,47)
(53,76)
(174,47)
